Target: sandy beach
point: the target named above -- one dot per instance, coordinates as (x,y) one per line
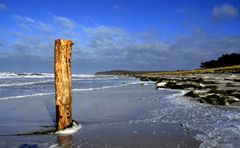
(112,117)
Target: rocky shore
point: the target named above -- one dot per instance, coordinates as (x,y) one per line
(214,89)
(216,86)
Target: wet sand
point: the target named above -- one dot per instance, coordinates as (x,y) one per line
(113,117)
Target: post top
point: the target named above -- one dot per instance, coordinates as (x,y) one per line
(64,41)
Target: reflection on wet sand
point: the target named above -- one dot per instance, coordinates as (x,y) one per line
(65,141)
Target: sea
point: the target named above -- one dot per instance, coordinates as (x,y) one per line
(217,126)
(20,85)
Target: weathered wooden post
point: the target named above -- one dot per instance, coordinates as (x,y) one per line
(63,83)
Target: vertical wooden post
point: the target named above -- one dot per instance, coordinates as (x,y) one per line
(63,82)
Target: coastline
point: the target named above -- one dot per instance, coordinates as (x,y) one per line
(109,117)
(215,86)
(128,115)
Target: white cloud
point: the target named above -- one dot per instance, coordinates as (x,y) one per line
(65,22)
(102,36)
(116,48)
(225,12)
(2,7)
(149,52)
(28,23)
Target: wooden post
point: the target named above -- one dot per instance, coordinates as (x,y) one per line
(63,83)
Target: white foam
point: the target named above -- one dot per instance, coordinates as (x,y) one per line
(39,75)
(105,87)
(54,146)
(145,83)
(77,90)
(161,83)
(70,131)
(5,74)
(219,126)
(25,75)
(85,89)
(83,75)
(25,96)
(24,84)
(93,78)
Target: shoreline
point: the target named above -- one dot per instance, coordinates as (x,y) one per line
(215,86)
(106,121)
(129,116)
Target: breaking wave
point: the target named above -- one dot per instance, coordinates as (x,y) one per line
(74,90)
(24,84)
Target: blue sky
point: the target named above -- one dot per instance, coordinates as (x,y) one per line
(117,34)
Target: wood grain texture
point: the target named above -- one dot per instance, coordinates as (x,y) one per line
(63,83)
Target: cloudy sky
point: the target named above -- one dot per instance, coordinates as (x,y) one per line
(117,34)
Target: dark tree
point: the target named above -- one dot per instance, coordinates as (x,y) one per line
(224,60)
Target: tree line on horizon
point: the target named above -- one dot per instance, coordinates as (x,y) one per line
(225,60)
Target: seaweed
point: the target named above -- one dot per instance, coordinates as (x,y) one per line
(215,99)
(144,79)
(191,94)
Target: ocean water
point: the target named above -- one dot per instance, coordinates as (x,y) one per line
(20,85)
(217,126)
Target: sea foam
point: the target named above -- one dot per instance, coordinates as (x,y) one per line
(71,130)
(218,126)
(24,84)
(25,96)
(74,90)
